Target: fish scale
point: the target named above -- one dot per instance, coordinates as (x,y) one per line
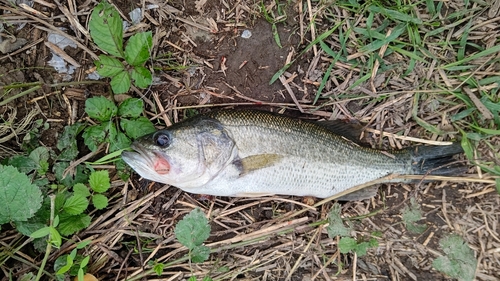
(255,153)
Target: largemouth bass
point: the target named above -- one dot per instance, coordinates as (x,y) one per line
(252,153)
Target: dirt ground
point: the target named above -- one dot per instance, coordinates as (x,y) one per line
(203,63)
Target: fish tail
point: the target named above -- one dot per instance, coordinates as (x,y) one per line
(437,160)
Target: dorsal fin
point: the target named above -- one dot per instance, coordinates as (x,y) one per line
(349,129)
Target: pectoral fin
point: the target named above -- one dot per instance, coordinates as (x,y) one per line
(255,162)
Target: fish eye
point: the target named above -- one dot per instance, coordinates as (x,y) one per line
(162,139)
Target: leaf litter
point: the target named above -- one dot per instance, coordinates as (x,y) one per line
(403,95)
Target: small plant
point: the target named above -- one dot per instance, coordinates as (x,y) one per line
(346,243)
(411,215)
(273,19)
(70,207)
(459,261)
(74,264)
(106,30)
(20,198)
(104,111)
(191,232)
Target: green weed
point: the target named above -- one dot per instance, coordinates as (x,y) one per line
(347,244)
(459,261)
(191,231)
(73,264)
(107,32)
(274,17)
(128,115)
(411,215)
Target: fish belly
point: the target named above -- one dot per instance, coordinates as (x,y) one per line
(291,177)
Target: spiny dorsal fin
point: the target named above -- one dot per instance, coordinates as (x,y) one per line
(351,130)
(255,162)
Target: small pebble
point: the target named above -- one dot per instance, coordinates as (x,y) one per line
(246,34)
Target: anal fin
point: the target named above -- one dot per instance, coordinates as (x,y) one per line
(361,194)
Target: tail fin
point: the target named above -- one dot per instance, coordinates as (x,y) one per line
(437,160)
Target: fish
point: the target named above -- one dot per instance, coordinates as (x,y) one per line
(251,153)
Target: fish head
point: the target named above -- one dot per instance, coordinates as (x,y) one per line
(186,155)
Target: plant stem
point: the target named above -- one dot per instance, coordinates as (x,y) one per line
(6,101)
(49,243)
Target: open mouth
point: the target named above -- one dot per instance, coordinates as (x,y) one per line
(142,157)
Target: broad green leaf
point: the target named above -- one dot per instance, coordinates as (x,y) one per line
(20,198)
(42,232)
(99,181)
(141,76)
(99,201)
(84,262)
(193,229)
(66,267)
(38,221)
(55,223)
(67,143)
(200,254)
(94,135)
(411,215)
(23,163)
(108,66)
(131,107)
(55,237)
(80,275)
(347,244)
(120,83)
(138,48)
(158,268)
(70,179)
(137,127)
(363,247)
(106,29)
(497,185)
(73,223)
(40,154)
(459,261)
(100,108)
(118,141)
(76,204)
(73,253)
(336,224)
(81,189)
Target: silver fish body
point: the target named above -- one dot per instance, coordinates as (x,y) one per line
(253,153)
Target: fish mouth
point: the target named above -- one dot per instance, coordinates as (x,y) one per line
(143,157)
(139,155)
